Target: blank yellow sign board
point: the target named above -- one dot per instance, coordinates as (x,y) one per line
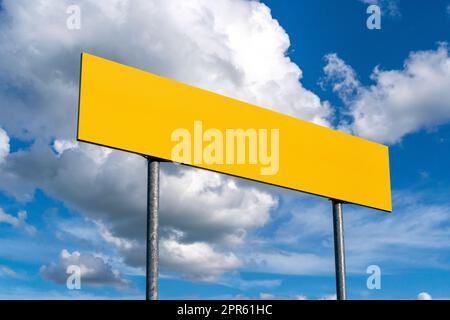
(136,111)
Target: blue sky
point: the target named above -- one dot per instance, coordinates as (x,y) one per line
(234,239)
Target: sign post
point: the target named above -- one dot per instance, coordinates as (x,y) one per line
(339,250)
(151,288)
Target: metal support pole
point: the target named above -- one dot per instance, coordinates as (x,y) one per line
(339,251)
(151,290)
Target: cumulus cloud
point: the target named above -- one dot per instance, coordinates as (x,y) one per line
(94,270)
(424,296)
(209,206)
(17,222)
(231,47)
(197,260)
(199,206)
(399,102)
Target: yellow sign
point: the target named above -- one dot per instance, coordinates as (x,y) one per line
(129,109)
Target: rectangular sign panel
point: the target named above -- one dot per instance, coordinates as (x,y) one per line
(129,109)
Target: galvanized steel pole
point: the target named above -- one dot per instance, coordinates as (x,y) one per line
(151,290)
(339,250)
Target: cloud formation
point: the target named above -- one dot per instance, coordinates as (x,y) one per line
(208,206)
(197,260)
(400,102)
(341,76)
(231,47)
(424,296)
(17,222)
(94,270)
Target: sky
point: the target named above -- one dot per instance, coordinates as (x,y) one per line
(66,203)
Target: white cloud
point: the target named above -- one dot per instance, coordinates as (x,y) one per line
(120,243)
(232,47)
(197,260)
(424,296)
(4,145)
(17,222)
(94,270)
(7,272)
(202,207)
(62,145)
(342,77)
(401,101)
(209,206)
